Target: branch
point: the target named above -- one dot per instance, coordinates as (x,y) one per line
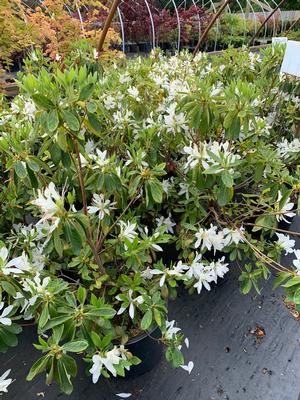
(85,210)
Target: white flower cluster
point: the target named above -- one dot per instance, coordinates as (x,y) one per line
(211,155)
(199,270)
(51,203)
(108,360)
(204,274)
(211,238)
(286,149)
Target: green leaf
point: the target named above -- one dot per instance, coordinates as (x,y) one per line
(280,279)
(70,364)
(86,92)
(175,357)
(224,195)
(156,191)
(297,296)
(292,282)
(58,243)
(71,120)
(33,180)
(8,288)
(42,101)
(64,378)
(73,237)
(37,367)
(57,321)
(246,286)
(76,346)
(52,120)
(103,311)
(157,317)
(227,179)
(34,166)
(7,337)
(81,294)
(44,317)
(95,124)
(20,169)
(146,320)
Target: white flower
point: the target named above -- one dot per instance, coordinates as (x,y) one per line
(101,206)
(89,147)
(109,360)
(29,109)
(233,235)
(177,270)
(100,159)
(285,243)
(17,265)
(219,267)
(187,342)
(109,102)
(127,231)
(208,238)
(50,202)
(166,185)
(205,277)
(297,261)
(195,156)
(4,320)
(165,222)
(147,273)
(57,57)
(171,330)
(134,93)
(38,259)
(95,54)
(174,121)
(36,287)
(184,190)
(188,367)
(33,56)
(132,303)
(4,383)
(285,210)
(195,268)
(125,78)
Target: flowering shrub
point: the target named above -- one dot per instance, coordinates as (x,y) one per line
(56,26)
(102,170)
(137,22)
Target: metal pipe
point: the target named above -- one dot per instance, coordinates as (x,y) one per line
(210,25)
(292,26)
(107,24)
(265,21)
(122,29)
(152,23)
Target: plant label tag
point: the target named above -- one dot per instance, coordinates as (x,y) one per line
(279,40)
(291,60)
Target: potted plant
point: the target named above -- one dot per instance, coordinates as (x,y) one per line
(95,184)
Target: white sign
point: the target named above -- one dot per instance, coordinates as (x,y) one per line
(279,40)
(291,60)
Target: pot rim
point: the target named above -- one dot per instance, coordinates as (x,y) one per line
(141,336)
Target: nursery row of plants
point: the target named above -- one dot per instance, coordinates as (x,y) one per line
(122,182)
(58,27)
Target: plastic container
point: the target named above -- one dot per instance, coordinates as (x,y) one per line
(147,349)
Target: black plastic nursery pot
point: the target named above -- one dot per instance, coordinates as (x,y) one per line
(148,349)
